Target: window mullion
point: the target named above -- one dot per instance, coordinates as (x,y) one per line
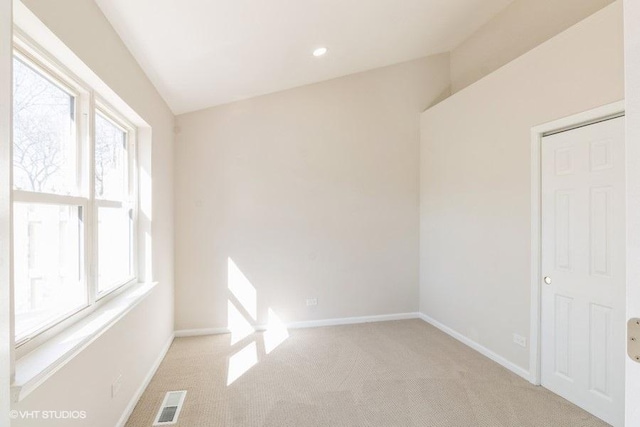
(91,246)
(47,198)
(100,203)
(132,151)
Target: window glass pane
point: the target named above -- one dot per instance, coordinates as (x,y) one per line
(115,232)
(47,264)
(110,165)
(44,146)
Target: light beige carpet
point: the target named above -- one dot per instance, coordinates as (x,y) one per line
(402,373)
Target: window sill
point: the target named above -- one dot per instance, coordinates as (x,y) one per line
(36,367)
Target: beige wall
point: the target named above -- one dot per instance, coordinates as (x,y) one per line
(517,29)
(632,99)
(475,179)
(312,192)
(131,347)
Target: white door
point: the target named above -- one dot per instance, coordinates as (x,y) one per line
(583,267)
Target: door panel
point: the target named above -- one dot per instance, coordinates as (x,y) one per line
(563,328)
(583,254)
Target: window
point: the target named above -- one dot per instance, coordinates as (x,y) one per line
(114,204)
(74,198)
(47,279)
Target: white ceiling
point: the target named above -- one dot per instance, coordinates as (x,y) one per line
(201,53)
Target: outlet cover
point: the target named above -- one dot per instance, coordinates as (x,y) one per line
(312,302)
(520,340)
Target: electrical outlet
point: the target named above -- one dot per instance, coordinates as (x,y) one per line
(520,340)
(115,387)
(312,301)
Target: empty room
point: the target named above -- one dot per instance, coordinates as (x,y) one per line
(316,213)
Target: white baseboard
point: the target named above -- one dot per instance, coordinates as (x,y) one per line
(198,332)
(477,347)
(305,324)
(351,320)
(145,383)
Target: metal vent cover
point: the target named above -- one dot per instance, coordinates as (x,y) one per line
(170,409)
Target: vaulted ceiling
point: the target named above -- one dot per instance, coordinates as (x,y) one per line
(202,53)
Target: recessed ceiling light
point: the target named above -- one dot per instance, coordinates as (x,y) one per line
(320,51)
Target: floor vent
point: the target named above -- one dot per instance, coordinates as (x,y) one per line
(170,409)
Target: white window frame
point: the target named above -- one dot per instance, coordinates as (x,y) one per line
(88,103)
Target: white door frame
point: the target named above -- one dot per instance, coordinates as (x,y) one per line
(595,115)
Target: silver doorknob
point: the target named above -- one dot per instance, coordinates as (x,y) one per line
(547,280)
